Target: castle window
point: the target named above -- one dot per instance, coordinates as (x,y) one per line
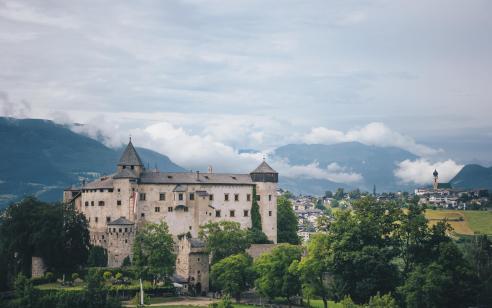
(248,197)
(236,197)
(180,197)
(170,209)
(162,196)
(269,213)
(86,203)
(132,167)
(119,190)
(269,197)
(198,259)
(101,203)
(119,230)
(217,213)
(142,215)
(192,196)
(92,203)
(190,227)
(258,197)
(118,202)
(211,197)
(110,190)
(102,236)
(246,213)
(124,167)
(101,190)
(232,213)
(126,241)
(126,229)
(157,209)
(185,209)
(142,196)
(96,219)
(226,197)
(108,219)
(169,176)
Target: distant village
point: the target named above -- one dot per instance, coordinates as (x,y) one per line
(314,212)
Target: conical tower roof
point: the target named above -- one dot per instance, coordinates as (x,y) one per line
(130,157)
(264,168)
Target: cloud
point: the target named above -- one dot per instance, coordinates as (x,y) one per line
(420,171)
(13,109)
(333,172)
(375,133)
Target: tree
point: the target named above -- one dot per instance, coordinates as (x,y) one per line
(385,301)
(224,238)
(54,232)
(364,245)
(339,194)
(153,251)
(98,257)
(446,282)
(322,223)
(320,205)
(328,194)
(276,274)
(255,212)
(316,265)
(479,252)
(233,274)
(258,237)
(287,224)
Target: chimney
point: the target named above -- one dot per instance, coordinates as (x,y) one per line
(209,168)
(198,175)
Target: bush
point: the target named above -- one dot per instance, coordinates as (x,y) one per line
(136,299)
(225,302)
(118,276)
(107,275)
(49,276)
(126,261)
(75,276)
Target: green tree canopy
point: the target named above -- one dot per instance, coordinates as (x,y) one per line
(153,251)
(224,238)
(287,224)
(54,232)
(233,274)
(278,272)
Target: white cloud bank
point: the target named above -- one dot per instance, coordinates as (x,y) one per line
(333,172)
(375,133)
(420,171)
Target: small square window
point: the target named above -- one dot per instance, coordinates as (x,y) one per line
(248,197)
(162,196)
(108,219)
(142,215)
(269,213)
(211,197)
(86,203)
(269,197)
(157,209)
(246,213)
(217,213)
(226,197)
(180,197)
(192,196)
(257,197)
(101,203)
(236,197)
(118,202)
(185,209)
(119,190)
(92,203)
(170,209)
(232,213)
(96,219)
(142,196)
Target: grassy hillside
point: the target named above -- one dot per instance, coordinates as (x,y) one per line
(463,222)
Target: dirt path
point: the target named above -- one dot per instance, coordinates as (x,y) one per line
(185,301)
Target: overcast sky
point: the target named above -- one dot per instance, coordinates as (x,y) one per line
(256,74)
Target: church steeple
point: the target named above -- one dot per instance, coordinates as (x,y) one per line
(435,184)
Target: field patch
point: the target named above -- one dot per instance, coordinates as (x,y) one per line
(463,222)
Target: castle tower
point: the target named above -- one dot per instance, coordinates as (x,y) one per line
(435,183)
(121,234)
(266,179)
(130,162)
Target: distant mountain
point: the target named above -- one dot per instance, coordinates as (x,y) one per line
(41,158)
(375,164)
(473,176)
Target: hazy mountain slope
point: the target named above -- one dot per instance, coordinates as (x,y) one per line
(473,176)
(375,164)
(40,157)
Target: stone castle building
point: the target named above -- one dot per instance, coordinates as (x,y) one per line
(116,205)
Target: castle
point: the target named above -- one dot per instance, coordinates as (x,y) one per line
(116,205)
